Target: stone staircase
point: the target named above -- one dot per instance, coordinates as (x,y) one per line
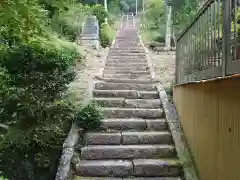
(134,142)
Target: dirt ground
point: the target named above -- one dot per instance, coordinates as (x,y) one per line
(80,89)
(164,66)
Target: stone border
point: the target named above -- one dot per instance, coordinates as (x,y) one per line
(174,124)
(67,153)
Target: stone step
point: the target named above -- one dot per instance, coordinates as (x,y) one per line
(129,103)
(130,58)
(131,178)
(122,47)
(126,68)
(121,50)
(98,152)
(157,167)
(125,86)
(125,60)
(127,72)
(121,54)
(123,64)
(151,178)
(125,168)
(146,137)
(122,80)
(107,168)
(130,94)
(127,55)
(129,76)
(128,138)
(133,113)
(134,124)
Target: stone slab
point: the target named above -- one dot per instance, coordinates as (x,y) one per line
(124,124)
(133,113)
(98,138)
(147,137)
(124,86)
(107,168)
(127,151)
(156,167)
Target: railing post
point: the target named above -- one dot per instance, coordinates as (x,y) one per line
(226,35)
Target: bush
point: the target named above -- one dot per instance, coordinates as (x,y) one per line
(68,22)
(38,72)
(88,117)
(169,92)
(33,152)
(106,35)
(99,11)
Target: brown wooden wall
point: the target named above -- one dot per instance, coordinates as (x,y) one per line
(210,116)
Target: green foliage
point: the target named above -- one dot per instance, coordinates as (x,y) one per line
(68,22)
(38,72)
(3,178)
(183,13)
(21,20)
(106,35)
(169,92)
(36,61)
(154,21)
(89,116)
(99,11)
(38,147)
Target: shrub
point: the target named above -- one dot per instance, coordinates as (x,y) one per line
(99,11)
(34,152)
(169,92)
(88,117)
(38,72)
(68,22)
(106,35)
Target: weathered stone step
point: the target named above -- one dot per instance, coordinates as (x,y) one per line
(111,54)
(134,124)
(121,80)
(125,86)
(127,48)
(146,137)
(133,113)
(127,55)
(126,168)
(151,178)
(98,178)
(123,46)
(123,64)
(98,152)
(128,138)
(128,76)
(107,168)
(156,167)
(131,178)
(129,72)
(126,68)
(125,60)
(141,51)
(129,103)
(130,94)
